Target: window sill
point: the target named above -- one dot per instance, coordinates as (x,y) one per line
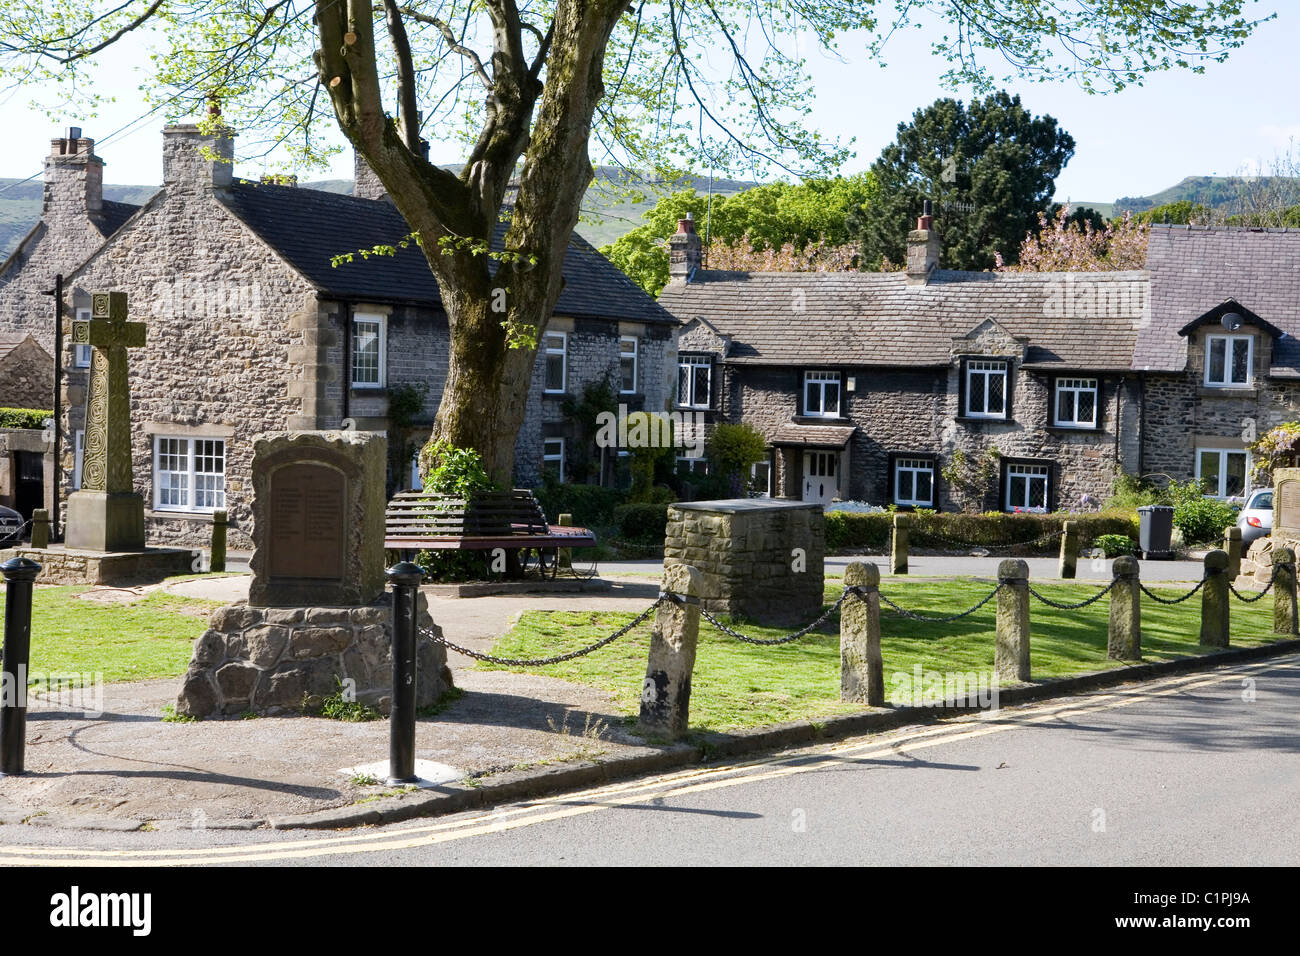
(550,394)
(204,517)
(368,389)
(820,419)
(1075,429)
(986,419)
(1227,391)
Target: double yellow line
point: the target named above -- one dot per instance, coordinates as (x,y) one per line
(683,783)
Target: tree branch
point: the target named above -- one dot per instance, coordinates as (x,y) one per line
(479,70)
(135,24)
(408,105)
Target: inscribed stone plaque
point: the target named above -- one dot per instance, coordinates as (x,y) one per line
(307,516)
(1287,504)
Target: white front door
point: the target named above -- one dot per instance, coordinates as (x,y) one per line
(821,476)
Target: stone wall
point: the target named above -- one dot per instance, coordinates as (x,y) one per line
(280,661)
(63,566)
(745,550)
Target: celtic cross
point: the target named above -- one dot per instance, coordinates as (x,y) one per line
(106,463)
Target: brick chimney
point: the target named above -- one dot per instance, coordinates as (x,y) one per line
(685,254)
(922,248)
(186,168)
(74,178)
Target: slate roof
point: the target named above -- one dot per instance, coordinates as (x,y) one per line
(308,227)
(877,319)
(115,215)
(814,436)
(1193,269)
(11,340)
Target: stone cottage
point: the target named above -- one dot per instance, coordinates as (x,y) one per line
(250,329)
(26,372)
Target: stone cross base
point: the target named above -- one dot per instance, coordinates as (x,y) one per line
(117,569)
(101,521)
(283,661)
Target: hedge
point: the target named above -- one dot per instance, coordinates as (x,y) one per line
(591,505)
(24,417)
(847,530)
(640,522)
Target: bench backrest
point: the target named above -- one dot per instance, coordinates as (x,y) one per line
(416,514)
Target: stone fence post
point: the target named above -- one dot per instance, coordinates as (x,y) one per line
(666,691)
(1284,592)
(217,559)
(1214,600)
(862,669)
(1124,641)
(40,529)
(898,544)
(1011,656)
(1232,544)
(564,557)
(1066,567)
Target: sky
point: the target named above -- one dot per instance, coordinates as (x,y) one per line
(1237,116)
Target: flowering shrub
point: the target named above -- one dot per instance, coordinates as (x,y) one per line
(1276,448)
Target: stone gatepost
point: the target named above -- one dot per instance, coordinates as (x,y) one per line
(862,669)
(40,529)
(1124,641)
(666,691)
(1284,592)
(898,544)
(1232,544)
(1011,656)
(217,557)
(1067,565)
(1214,600)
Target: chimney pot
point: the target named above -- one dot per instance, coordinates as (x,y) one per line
(685,252)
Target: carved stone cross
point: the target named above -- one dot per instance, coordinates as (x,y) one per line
(106,462)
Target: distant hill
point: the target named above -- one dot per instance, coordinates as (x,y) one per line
(1221,193)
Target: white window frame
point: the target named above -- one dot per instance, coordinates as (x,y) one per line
(693,365)
(78,456)
(985,370)
(914,466)
(416,483)
(381,322)
(765,464)
(1077,386)
(1229,343)
(1223,454)
(820,379)
(549,351)
(191,445)
(623,356)
(1030,473)
(557,458)
(81,353)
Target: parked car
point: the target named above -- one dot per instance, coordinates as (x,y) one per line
(1256,518)
(11,528)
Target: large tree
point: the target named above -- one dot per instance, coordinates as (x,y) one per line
(531,84)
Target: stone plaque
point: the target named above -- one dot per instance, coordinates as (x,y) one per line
(1286,504)
(307,516)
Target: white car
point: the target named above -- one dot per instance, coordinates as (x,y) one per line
(1256,518)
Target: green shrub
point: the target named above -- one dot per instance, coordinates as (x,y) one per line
(733,450)
(1202,520)
(24,417)
(1114,545)
(449,470)
(641,522)
(591,505)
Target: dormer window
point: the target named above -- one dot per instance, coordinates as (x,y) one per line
(1228,360)
(986,388)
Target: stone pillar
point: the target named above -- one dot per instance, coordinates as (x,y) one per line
(1124,642)
(40,529)
(1214,600)
(666,692)
(1069,550)
(1011,656)
(862,669)
(217,561)
(564,557)
(1232,544)
(898,544)
(1284,592)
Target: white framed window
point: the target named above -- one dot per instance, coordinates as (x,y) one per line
(914,482)
(189,474)
(821,394)
(1027,487)
(81,353)
(1076,403)
(78,456)
(760,479)
(694,381)
(1225,472)
(1228,360)
(369,350)
(627,356)
(555,347)
(986,389)
(553,457)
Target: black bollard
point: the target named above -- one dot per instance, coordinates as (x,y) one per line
(19,574)
(406,578)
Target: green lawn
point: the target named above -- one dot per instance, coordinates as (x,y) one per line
(149,638)
(738,685)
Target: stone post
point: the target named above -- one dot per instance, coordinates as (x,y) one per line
(1284,592)
(40,529)
(564,557)
(1069,550)
(666,692)
(1124,642)
(1232,544)
(898,544)
(217,560)
(862,669)
(1214,600)
(1011,656)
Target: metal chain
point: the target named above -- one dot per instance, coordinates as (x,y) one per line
(1178,600)
(1074,607)
(760,642)
(544,661)
(934,535)
(913,616)
(1250,600)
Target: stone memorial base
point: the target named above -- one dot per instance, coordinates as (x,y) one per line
(1257,562)
(63,565)
(760,558)
(99,521)
(284,661)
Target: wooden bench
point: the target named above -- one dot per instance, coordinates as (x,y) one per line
(510,520)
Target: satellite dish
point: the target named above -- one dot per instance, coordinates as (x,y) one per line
(1230,321)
